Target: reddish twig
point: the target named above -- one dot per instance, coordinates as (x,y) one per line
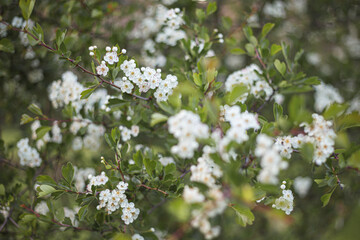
(150,188)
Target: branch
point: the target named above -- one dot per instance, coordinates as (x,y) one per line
(150,188)
(102,80)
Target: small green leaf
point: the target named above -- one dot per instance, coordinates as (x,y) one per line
(25,119)
(278,111)
(82,212)
(335,110)
(46,190)
(6,45)
(149,166)
(197,79)
(266,29)
(211,8)
(280,66)
(244,214)
(27,7)
(248,32)
(250,49)
(238,51)
(44,179)
(236,93)
(157,118)
(68,172)
(41,131)
(35,109)
(326,197)
(275,49)
(87,93)
(200,14)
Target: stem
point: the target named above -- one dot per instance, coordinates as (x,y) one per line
(102,80)
(150,188)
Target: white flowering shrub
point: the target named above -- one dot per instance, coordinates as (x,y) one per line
(169,120)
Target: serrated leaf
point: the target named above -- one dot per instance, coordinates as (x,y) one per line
(68,172)
(244,214)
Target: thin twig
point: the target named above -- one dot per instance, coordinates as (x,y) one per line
(150,188)
(102,80)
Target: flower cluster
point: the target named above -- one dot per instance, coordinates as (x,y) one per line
(271,160)
(249,77)
(322,136)
(186,126)
(126,133)
(113,200)
(170,34)
(42,208)
(206,171)
(28,156)
(286,201)
(166,160)
(215,205)
(240,122)
(137,236)
(325,95)
(99,180)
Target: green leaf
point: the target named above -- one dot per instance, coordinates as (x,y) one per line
(44,179)
(41,131)
(211,74)
(280,66)
(248,32)
(335,110)
(326,197)
(278,111)
(211,8)
(179,209)
(138,158)
(226,22)
(25,119)
(275,49)
(35,109)
(149,166)
(236,93)
(46,190)
(68,172)
(27,7)
(82,212)
(200,14)
(197,79)
(250,49)
(238,51)
(348,121)
(244,214)
(307,151)
(266,29)
(6,45)
(157,118)
(87,93)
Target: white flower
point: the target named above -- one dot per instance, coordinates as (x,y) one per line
(192,195)
(111,57)
(102,69)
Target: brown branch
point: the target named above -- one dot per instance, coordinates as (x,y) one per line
(53,220)
(150,188)
(102,80)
